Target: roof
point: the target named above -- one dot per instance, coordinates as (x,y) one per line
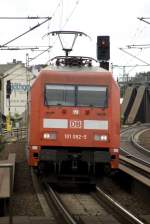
(75,77)
(5,67)
(75,68)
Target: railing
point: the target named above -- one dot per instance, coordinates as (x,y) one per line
(7,176)
(140,79)
(18,133)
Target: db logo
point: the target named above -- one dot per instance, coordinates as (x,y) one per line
(75,124)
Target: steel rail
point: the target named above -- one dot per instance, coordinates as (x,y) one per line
(132,164)
(139,160)
(144,167)
(66,215)
(137,144)
(118,208)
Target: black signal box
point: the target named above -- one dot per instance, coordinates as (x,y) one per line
(8,89)
(103,48)
(105,65)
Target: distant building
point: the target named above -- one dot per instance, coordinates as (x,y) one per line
(20,79)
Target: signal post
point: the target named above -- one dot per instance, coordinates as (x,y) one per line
(8,93)
(103,51)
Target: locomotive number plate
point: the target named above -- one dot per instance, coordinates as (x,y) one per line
(75,137)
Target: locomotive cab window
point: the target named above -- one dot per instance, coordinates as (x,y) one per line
(59,95)
(95,96)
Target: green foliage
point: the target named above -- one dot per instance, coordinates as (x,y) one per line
(122,91)
(16,115)
(2,143)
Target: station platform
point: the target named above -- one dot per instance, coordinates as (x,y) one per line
(28,220)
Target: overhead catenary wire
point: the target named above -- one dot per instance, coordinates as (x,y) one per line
(26,46)
(61,15)
(58,5)
(71,13)
(132,67)
(31,29)
(129,66)
(139,30)
(18,48)
(139,46)
(39,24)
(66,21)
(27,17)
(144,19)
(46,50)
(134,56)
(3,47)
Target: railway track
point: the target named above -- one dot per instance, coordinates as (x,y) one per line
(99,212)
(130,145)
(135,141)
(134,159)
(95,207)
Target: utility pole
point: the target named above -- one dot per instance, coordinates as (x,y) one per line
(1,120)
(28,85)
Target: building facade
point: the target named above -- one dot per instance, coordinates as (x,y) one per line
(20,79)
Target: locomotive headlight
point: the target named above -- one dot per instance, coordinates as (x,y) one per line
(116,150)
(46,135)
(50,135)
(34,147)
(104,137)
(100,137)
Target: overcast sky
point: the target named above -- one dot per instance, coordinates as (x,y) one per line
(116,18)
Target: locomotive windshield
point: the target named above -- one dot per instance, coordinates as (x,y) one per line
(71,95)
(60,95)
(92,96)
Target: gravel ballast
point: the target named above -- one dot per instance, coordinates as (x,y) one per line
(134,198)
(25,202)
(144,139)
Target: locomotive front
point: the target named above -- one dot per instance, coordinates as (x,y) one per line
(74,120)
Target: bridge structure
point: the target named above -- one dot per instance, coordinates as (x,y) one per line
(136,102)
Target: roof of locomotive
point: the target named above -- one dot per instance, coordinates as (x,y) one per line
(75,74)
(74,71)
(75,68)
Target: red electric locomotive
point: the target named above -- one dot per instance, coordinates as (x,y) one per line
(74,120)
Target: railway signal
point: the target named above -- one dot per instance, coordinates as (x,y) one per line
(8,93)
(103,51)
(8,89)
(103,48)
